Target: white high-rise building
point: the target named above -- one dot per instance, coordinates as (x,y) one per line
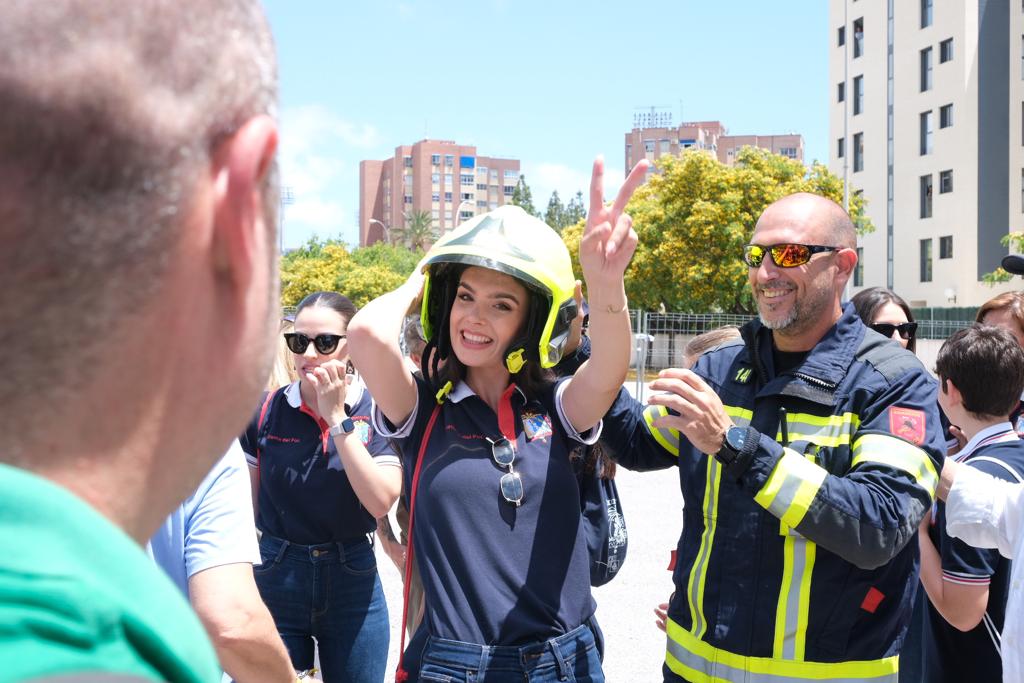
(927,121)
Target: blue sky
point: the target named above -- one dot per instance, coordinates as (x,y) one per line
(550,83)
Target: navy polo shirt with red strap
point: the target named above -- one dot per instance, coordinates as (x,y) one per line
(494,573)
(304,494)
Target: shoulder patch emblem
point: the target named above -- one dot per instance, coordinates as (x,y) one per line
(536,425)
(907,423)
(742,376)
(363,428)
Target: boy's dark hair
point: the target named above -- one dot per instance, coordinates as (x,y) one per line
(987,365)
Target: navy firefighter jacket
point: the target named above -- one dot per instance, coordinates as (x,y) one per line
(797,562)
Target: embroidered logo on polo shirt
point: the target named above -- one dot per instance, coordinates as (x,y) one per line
(536,425)
(363,428)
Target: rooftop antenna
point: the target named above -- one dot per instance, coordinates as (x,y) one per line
(653,116)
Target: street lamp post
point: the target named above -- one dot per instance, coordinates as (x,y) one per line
(387,233)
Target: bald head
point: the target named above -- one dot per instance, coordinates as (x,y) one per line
(825,221)
(109,113)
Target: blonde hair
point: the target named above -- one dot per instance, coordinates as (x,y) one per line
(283,371)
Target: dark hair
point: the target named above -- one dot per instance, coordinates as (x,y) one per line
(987,365)
(336,302)
(868,302)
(532,379)
(1014,301)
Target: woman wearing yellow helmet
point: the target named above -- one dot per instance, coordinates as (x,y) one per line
(486,435)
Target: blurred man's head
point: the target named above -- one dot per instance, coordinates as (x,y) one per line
(137,202)
(981,371)
(800,256)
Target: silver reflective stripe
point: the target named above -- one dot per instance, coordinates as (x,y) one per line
(723,671)
(707,540)
(786,494)
(793,599)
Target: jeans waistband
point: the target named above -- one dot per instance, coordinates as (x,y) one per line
(334,551)
(552,652)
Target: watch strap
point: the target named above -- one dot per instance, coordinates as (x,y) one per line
(346,426)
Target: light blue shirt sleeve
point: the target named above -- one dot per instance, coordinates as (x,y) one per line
(213,527)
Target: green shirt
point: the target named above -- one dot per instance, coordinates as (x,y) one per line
(78,595)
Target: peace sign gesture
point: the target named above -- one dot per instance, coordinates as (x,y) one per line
(608,239)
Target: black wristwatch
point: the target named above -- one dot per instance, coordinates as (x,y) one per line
(732,445)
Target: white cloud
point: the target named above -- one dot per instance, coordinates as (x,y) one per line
(546,177)
(319,163)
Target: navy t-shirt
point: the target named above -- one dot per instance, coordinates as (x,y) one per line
(950,654)
(304,494)
(494,573)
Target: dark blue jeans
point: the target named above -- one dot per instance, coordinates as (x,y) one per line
(571,657)
(330,592)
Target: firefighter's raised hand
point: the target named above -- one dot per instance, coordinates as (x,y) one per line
(701,416)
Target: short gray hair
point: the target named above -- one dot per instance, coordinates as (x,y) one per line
(109,112)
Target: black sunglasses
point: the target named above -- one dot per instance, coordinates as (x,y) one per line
(324,343)
(785,255)
(906,330)
(511,484)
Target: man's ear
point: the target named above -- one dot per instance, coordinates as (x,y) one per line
(241,236)
(947,387)
(846,261)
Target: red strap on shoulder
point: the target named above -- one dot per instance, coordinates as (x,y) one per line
(259,427)
(401,674)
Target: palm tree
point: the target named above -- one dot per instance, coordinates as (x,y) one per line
(418,231)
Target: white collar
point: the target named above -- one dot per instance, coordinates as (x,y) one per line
(997,433)
(463,390)
(353,394)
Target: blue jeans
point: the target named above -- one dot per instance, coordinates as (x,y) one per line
(330,592)
(570,657)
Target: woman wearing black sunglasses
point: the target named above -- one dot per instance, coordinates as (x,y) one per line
(321,477)
(885,311)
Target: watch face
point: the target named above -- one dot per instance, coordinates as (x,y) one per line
(735,437)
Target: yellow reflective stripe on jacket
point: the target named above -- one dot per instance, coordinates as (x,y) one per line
(792,612)
(668,438)
(829,431)
(791,487)
(740,416)
(699,571)
(701,662)
(895,452)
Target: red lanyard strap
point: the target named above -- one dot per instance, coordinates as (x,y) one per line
(402,675)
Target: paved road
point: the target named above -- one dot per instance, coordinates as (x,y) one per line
(635,648)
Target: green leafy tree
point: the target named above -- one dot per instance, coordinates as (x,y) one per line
(555,213)
(576,210)
(522,197)
(693,218)
(1014,240)
(418,231)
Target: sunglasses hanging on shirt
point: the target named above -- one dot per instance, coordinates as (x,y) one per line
(511,485)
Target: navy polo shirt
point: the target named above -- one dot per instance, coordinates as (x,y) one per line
(950,654)
(494,573)
(304,494)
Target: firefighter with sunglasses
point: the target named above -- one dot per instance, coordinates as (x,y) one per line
(808,453)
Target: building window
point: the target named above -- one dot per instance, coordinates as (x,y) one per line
(926,196)
(946,116)
(841,147)
(841,36)
(858,37)
(945,181)
(509,189)
(789,152)
(435,214)
(858,152)
(435,159)
(858,95)
(946,247)
(435,197)
(926,260)
(649,146)
(408,199)
(926,69)
(449,160)
(926,133)
(841,91)
(469,179)
(946,51)
(407,161)
(448,197)
(435,178)
(511,173)
(466,196)
(858,272)
(466,214)
(481,186)
(926,13)
(481,203)
(447,179)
